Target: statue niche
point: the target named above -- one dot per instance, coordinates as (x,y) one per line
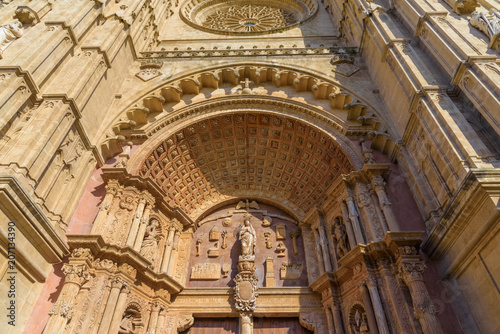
(150,243)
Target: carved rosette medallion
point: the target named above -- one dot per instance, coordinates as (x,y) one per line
(245,292)
(247,16)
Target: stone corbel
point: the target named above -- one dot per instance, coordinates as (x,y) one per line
(463,7)
(185,322)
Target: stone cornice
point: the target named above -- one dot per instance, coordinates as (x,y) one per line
(189,54)
(478,187)
(124,255)
(33,224)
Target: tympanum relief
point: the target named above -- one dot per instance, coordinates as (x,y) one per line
(247,230)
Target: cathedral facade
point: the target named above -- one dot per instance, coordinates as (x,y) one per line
(249,166)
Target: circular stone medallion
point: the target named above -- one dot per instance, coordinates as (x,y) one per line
(247,16)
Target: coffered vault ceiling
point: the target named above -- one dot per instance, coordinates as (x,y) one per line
(250,155)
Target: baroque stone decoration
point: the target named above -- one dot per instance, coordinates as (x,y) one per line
(222,165)
(489,24)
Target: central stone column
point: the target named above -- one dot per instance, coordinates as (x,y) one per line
(245,291)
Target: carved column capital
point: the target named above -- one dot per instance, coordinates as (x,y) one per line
(83,253)
(76,273)
(410,272)
(117,283)
(112,187)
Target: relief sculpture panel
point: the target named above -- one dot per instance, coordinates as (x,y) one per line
(273,234)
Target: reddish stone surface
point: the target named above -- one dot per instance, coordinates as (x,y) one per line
(46,299)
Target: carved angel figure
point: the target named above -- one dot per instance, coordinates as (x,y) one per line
(487,23)
(149,244)
(248,239)
(9,33)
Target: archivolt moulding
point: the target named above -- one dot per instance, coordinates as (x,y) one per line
(367,121)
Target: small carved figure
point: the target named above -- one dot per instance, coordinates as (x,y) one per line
(281,249)
(150,244)
(224,236)
(198,244)
(9,33)
(267,236)
(248,239)
(340,238)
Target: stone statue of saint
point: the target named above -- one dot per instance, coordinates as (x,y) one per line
(149,244)
(340,238)
(248,239)
(9,33)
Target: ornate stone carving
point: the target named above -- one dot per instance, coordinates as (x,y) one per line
(127,203)
(149,69)
(9,33)
(291,270)
(205,271)
(227,222)
(280,249)
(343,63)
(269,243)
(340,238)
(489,24)
(464,7)
(249,18)
(185,321)
(128,269)
(248,239)
(77,274)
(149,245)
(280,232)
(247,205)
(246,292)
(85,253)
(107,264)
(267,221)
